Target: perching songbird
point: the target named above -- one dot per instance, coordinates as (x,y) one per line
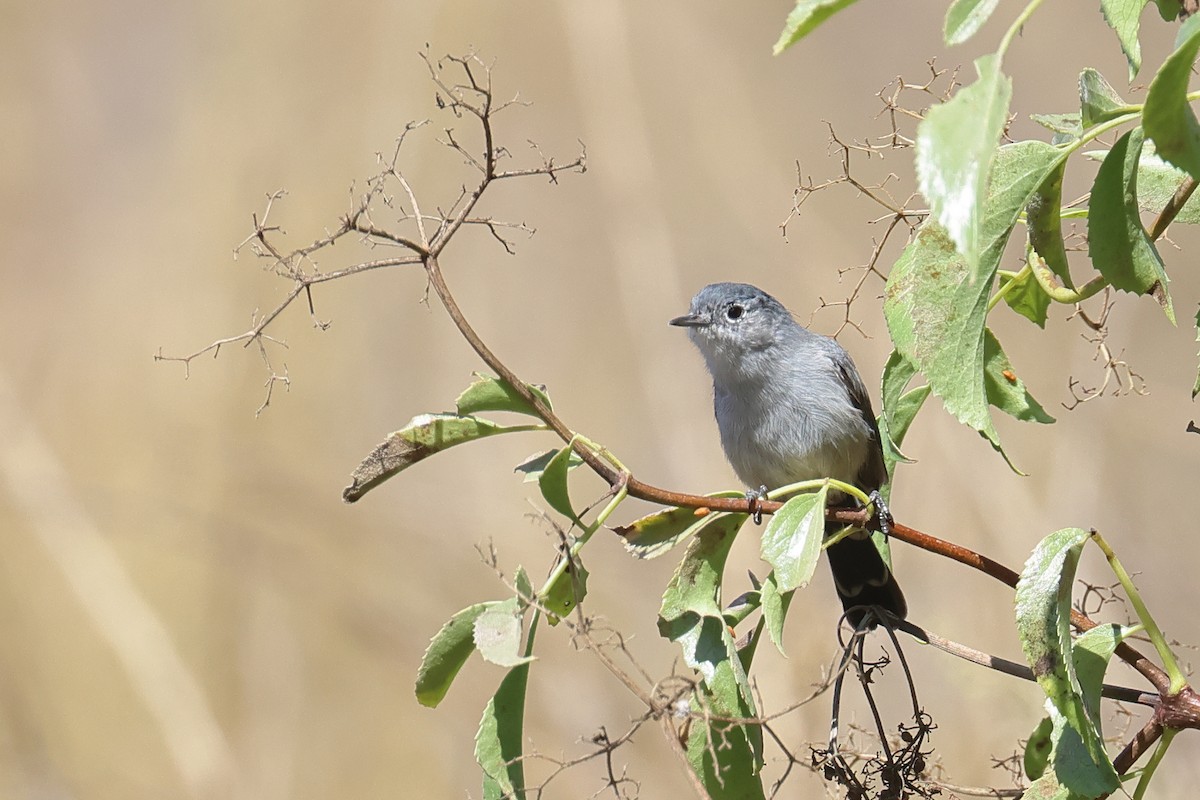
(791,407)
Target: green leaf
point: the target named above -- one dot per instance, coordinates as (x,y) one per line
(498,633)
(553,483)
(775,606)
(566,592)
(965,17)
(1169,10)
(1092,651)
(899,410)
(805,17)
(1037,749)
(1118,244)
(696,586)
(956,144)
(1047,787)
(1027,298)
(535,465)
(723,756)
(1043,606)
(447,652)
(1157,182)
(1167,115)
(1124,17)
(501,730)
(1069,126)
(1075,768)
(1043,220)
(422,437)
(1005,390)
(657,533)
(492,394)
(791,544)
(1098,100)
(1020,172)
(1196,386)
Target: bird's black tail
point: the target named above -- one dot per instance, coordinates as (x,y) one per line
(862,579)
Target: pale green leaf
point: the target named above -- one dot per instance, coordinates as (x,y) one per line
(1085,774)
(696,585)
(1027,298)
(1168,117)
(1119,246)
(448,651)
(805,18)
(1092,651)
(492,394)
(1047,787)
(1157,182)
(1098,100)
(1124,17)
(956,143)
(965,17)
(535,465)
(422,437)
(1069,126)
(497,633)
(791,544)
(775,606)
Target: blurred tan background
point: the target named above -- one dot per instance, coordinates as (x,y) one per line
(187,609)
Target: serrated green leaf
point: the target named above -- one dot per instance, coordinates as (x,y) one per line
(524,588)
(805,18)
(965,17)
(900,408)
(1167,115)
(422,437)
(1043,608)
(1067,125)
(567,591)
(775,606)
(1086,775)
(722,755)
(492,394)
(791,544)
(655,534)
(956,144)
(1037,749)
(1118,244)
(535,465)
(1125,17)
(497,633)
(1047,787)
(1157,183)
(1005,390)
(1098,100)
(499,739)
(448,651)
(553,483)
(1027,298)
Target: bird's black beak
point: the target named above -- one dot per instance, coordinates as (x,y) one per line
(690,321)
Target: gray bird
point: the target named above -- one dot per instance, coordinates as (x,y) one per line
(791,407)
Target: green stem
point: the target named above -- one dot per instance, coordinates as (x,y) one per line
(1178,679)
(808,486)
(1014,278)
(582,539)
(1148,771)
(1058,293)
(1015,28)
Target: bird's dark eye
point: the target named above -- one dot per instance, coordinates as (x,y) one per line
(734,311)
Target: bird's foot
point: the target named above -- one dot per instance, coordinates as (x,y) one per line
(755,498)
(882,513)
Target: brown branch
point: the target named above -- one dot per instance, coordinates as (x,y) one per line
(1173,207)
